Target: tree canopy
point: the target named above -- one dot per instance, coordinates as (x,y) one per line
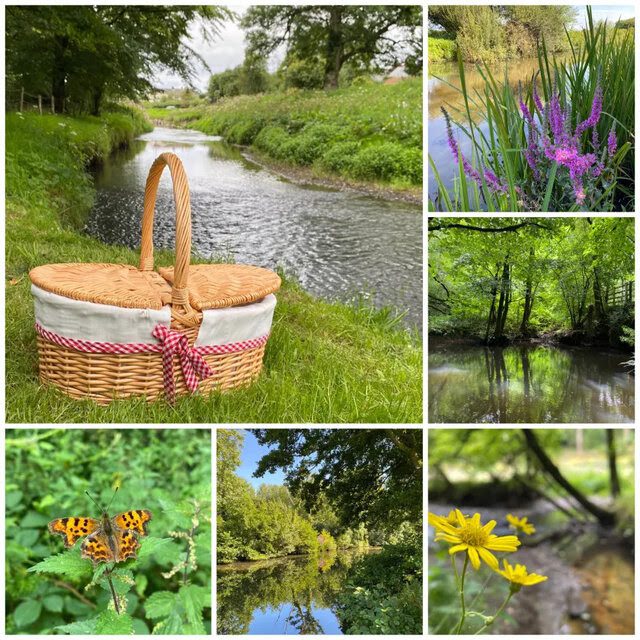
(369,475)
(83,54)
(364,35)
(494,277)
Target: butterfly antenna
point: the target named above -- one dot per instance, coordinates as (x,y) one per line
(94,502)
(112,497)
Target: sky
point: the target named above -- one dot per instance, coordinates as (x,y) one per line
(251,453)
(610,12)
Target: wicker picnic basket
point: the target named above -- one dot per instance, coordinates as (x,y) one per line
(108,331)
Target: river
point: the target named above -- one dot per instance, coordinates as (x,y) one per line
(293,595)
(441,75)
(528,384)
(340,245)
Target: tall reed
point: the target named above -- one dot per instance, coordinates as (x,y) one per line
(500,176)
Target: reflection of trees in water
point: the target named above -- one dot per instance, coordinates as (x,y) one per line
(498,379)
(304,583)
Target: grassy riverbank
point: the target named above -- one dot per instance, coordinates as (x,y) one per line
(325,362)
(368,133)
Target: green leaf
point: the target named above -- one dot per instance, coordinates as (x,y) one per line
(54,602)
(160,604)
(169,626)
(140,628)
(12,499)
(149,546)
(194,599)
(68,563)
(33,520)
(79,628)
(110,623)
(27,612)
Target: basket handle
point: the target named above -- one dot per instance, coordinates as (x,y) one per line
(179,291)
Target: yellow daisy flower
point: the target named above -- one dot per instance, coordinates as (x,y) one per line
(518,575)
(520,524)
(470,535)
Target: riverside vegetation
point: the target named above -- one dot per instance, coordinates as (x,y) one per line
(327,505)
(367,132)
(166,589)
(306,379)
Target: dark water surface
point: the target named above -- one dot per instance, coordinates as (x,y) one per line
(340,245)
(295,595)
(520,384)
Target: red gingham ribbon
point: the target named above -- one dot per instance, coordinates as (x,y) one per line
(192,363)
(191,360)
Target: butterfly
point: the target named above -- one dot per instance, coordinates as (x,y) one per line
(108,539)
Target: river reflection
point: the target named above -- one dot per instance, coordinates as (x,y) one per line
(282,596)
(521,384)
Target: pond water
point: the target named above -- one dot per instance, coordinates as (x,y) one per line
(340,245)
(294,595)
(528,384)
(441,75)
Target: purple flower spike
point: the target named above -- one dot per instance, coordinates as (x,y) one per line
(556,120)
(594,117)
(536,99)
(493,182)
(612,143)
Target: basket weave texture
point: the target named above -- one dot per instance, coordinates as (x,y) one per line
(189,290)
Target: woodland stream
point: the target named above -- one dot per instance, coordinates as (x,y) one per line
(339,245)
(528,384)
(292,595)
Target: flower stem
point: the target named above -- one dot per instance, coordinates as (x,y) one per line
(116,604)
(498,612)
(463,612)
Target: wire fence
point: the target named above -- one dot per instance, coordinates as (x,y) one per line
(20,100)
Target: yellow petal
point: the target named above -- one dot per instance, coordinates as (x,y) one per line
(458,547)
(473,556)
(488,557)
(488,528)
(448,538)
(460,517)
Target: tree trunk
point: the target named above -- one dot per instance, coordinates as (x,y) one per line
(503,303)
(614,481)
(96,101)
(335,49)
(579,440)
(59,75)
(528,297)
(492,312)
(605,518)
(601,312)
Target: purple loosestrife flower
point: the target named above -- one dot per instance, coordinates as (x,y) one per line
(594,117)
(612,143)
(536,99)
(556,120)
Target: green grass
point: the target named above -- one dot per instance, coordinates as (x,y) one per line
(367,132)
(325,362)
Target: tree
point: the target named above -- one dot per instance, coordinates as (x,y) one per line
(543,22)
(369,475)
(341,34)
(614,481)
(86,53)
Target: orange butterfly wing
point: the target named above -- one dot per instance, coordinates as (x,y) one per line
(97,549)
(127,544)
(73,528)
(133,520)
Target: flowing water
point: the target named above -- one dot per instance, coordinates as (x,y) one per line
(528,384)
(340,245)
(441,94)
(294,595)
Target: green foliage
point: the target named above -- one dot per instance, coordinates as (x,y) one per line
(305,379)
(48,590)
(367,132)
(384,595)
(249,78)
(82,55)
(442,46)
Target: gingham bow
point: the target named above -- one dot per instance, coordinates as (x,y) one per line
(192,363)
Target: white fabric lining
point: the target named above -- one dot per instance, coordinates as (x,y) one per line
(81,320)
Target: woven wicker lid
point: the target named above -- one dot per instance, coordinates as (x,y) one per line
(120,285)
(214,286)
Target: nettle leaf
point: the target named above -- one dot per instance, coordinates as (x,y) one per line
(27,612)
(110,623)
(68,563)
(54,603)
(79,628)
(150,546)
(160,604)
(194,599)
(33,520)
(169,626)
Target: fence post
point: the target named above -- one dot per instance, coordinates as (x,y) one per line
(22,100)
(40,103)
(53,104)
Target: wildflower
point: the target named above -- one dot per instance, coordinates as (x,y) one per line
(518,576)
(536,99)
(612,143)
(594,116)
(472,536)
(520,524)
(435,520)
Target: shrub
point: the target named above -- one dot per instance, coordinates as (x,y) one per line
(339,156)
